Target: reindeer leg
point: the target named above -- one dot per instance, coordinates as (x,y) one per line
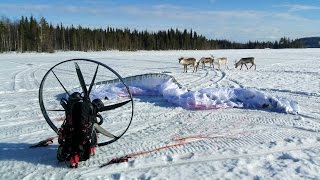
(251,66)
(246,66)
(255,67)
(241,66)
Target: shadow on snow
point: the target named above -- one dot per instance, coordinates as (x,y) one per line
(23,152)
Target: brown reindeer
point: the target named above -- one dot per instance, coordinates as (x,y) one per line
(245,61)
(221,61)
(205,60)
(185,61)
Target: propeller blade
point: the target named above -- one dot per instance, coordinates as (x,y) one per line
(93,79)
(81,80)
(113,106)
(101,130)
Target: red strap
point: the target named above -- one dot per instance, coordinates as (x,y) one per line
(74,160)
(180,141)
(117,160)
(92,151)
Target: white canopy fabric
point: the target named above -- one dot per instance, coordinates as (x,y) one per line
(208,98)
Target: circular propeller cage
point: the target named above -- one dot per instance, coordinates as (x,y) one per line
(96,82)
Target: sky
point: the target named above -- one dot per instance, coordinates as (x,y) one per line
(234,20)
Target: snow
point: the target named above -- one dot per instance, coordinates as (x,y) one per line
(191,113)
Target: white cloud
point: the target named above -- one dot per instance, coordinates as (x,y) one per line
(290,17)
(24,7)
(72,9)
(297,7)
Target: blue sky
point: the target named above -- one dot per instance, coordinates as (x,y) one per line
(235,20)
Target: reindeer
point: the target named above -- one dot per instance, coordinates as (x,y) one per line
(185,61)
(221,61)
(245,61)
(205,60)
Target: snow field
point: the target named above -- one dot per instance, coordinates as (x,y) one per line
(230,143)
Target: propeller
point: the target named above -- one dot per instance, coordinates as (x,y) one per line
(86,91)
(97,127)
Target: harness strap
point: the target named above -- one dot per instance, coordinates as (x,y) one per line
(74,160)
(44,143)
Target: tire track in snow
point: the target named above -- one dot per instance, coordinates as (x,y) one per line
(257,136)
(192,80)
(14,80)
(220,76)
(206,79)
(236,82)
(208,158)
(21,129)
(275,74)
(246,139)
(301,93)
(149,133)
(27,108)
(20,82)
(223,80)
(147,121)
(25,79)
(292,72)
(193,126)
(21,118)
(203,81)
(170,123)
(34,79)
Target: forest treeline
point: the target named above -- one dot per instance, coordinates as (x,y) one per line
(30,34)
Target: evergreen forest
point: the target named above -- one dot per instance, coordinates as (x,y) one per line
(29,34)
